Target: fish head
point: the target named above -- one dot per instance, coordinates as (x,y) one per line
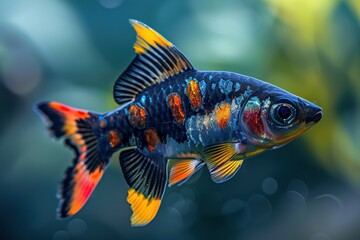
(273,117)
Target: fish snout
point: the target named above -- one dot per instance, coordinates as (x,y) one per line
(315,113)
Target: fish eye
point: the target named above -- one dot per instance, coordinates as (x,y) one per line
(283,113)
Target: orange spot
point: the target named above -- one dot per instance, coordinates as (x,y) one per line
(176,106)
(137,116)
(193,93)
(113,138)
(223,114)
(151,139)
(103,123)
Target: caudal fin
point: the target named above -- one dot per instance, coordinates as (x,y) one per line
(79,130)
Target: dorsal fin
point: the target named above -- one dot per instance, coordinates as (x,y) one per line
(157,59)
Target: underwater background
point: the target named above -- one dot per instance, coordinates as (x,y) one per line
(73,51)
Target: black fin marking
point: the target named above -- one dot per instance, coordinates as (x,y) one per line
(147,178)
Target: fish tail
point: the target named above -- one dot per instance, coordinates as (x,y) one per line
(81,132)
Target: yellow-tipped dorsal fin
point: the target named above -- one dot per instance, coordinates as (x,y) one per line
(157,59)
(147,37)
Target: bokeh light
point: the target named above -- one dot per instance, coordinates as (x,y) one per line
(269,186)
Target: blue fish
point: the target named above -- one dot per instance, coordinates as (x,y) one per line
(171,114)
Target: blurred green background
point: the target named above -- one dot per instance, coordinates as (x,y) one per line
(72,52)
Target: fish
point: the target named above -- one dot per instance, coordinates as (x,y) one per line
(172,120)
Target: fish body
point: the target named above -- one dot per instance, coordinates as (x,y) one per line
(171,112)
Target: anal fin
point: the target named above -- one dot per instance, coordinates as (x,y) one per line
(147,177)
(183,169)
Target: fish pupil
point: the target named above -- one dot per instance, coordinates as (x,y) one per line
(284,112)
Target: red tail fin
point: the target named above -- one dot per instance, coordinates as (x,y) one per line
(79,129)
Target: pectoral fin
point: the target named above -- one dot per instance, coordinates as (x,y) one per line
(218,158)
(226,171)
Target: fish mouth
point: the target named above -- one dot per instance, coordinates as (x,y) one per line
(315,116)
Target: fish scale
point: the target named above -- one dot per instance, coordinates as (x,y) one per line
(211,97)
(171,114)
